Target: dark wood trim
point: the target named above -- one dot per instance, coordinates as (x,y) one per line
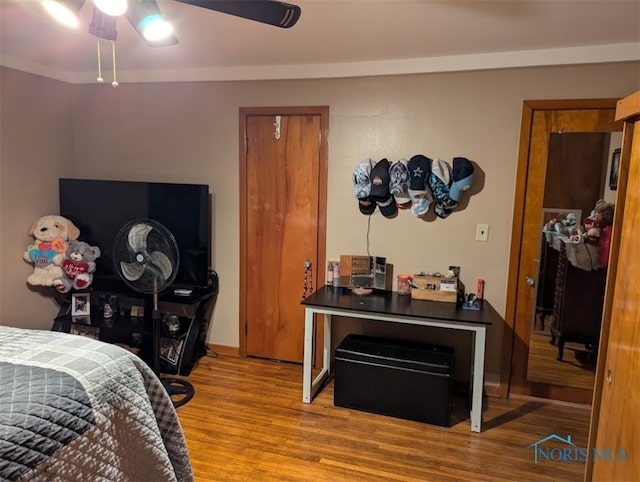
(242,149)
(516,240)
(628,107)
(232,351)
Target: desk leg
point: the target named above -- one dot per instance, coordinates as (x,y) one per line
(326,350)
(308,355)
(478,378)
(311,385)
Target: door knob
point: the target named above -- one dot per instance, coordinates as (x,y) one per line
(609,377)
(529,280)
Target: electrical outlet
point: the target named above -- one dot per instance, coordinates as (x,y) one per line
(482,232)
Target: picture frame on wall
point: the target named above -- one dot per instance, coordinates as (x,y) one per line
(615,167)
(80,304)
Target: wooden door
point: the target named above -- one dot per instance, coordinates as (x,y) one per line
(615,425)
(540,120)
(283,179)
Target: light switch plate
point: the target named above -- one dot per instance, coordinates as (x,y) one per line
(482,232)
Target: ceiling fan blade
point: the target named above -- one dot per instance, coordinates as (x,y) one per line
(271,12)
(140,14)
(103,26)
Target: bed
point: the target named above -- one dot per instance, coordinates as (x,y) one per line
(76,409)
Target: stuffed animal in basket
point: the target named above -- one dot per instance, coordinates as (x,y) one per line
(51,233)
(600,217)
(78,266)
(566,225)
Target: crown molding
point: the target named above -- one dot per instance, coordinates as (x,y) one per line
(626,52)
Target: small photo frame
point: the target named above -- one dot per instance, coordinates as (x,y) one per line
(81,320)
(80,304)
(137,311)
(88,331)
(615,167)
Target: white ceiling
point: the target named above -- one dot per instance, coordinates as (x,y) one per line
(333,38)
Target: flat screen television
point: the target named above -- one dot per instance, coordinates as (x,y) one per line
(99,208)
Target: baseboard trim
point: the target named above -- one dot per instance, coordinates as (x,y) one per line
(224,349)
(492,390)
(518,396)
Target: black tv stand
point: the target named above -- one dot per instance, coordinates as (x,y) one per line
(179,349)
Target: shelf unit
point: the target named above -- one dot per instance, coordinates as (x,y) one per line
(179,350)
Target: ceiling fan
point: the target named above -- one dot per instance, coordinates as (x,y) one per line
(146,18)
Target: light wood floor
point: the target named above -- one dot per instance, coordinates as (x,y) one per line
(247,422)
(577,368)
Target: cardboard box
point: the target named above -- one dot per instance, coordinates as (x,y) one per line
(435,288)
(365,271)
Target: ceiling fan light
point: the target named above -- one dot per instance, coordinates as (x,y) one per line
(111,7)
(155,28)
(64,12)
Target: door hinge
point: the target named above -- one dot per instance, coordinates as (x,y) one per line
(246,328)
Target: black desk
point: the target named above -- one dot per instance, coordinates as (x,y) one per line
(392,307)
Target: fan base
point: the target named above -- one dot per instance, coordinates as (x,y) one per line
(180,391)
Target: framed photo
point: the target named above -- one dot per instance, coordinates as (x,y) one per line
(81,320)
(80,304)
(615,166)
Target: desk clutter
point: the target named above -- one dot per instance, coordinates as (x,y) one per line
(363,274)
(446,288)
(415,184)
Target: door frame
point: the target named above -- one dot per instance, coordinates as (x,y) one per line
(627,112)
(509,336)
(318,271)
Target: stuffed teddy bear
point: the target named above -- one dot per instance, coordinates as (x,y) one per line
(600,217)
(51,234)
(77,266)
(566,225)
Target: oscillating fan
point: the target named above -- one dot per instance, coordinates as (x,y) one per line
(146,257)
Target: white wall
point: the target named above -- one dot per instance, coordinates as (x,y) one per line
(188,132)
(36,148)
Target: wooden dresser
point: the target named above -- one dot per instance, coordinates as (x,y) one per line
(577,307)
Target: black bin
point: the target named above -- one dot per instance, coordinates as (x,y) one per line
(401,379)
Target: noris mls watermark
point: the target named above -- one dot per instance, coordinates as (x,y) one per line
(554,448)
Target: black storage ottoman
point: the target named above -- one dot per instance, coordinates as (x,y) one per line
(401,379)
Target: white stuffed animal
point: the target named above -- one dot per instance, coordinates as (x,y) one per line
(51,235)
